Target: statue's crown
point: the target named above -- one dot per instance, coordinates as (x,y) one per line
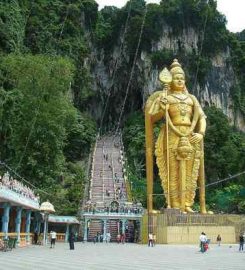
(175,68)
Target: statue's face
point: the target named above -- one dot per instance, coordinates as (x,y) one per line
(178,82)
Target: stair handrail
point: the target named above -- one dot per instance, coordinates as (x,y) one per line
(113,172)
(103,169)
(125,171)
(87,188)
(92,169)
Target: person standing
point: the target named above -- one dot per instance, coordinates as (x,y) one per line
(203,240)
(53,238)
(118,238)
(154,240)
(123,238)
(218,239)
(71,240)
(241,242)
(108,237)
(150,240)
(35,238)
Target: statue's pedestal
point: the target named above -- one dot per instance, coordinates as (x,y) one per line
(190,234)
(171,226)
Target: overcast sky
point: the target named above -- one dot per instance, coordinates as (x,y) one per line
(232,9)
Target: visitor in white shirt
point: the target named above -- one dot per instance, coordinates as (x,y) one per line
(53,238)
(203,239)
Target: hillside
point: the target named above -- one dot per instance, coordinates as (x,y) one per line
(65,71)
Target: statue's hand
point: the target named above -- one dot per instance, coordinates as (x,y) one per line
(196,138)
(163,101)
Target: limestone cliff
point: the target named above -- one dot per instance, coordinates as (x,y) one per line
(215,91)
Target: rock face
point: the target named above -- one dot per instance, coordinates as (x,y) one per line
(111,77)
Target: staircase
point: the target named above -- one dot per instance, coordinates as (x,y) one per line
(107,181)
(129,232)
(94,228)
(112,227)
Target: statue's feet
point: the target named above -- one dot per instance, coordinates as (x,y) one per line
(204,211)
(189,209)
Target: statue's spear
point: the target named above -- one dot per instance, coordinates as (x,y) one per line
(166,78)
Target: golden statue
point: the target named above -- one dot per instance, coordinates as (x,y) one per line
(179,146)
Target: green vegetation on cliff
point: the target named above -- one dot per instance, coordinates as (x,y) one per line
(42,134)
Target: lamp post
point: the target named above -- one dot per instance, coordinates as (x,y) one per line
(46,208)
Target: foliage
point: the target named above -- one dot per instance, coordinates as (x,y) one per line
(103,31)
(215,36)
(138,186)
(12,26)
(161,58)
(228,199)
(203,17)
(69,194)
(51,28)
(134,139)
(179,13)
(200,66)
(90,8)
(238,62)
(40,128)
(224,147)
(60,31)
(81,134)
(37,116)
(241,35)
(110,24)
(39,110)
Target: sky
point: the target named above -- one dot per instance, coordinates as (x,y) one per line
(232,9)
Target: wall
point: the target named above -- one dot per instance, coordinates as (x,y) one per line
(186,229)
(190,234)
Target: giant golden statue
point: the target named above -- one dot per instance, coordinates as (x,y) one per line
(179,146)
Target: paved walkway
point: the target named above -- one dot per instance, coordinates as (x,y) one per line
(118,256)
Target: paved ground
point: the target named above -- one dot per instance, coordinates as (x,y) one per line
(118,256)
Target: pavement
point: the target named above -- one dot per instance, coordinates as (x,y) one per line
(118,256)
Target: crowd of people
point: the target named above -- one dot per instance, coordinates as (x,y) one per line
(204,241)
(8,182)
(99,238)
(122,209)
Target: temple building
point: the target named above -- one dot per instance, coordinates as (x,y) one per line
(19,210)
(21,215)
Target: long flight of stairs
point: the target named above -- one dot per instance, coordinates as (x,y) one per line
(107,178)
